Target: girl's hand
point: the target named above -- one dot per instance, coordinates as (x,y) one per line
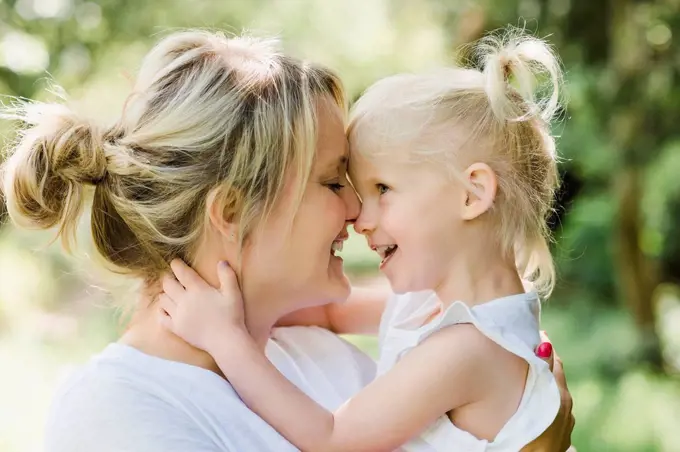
(197,312)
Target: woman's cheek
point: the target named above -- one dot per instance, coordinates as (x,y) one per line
(335,208)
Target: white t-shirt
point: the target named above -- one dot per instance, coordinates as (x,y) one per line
(125,400)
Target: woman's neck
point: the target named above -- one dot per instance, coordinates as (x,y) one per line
(146,334)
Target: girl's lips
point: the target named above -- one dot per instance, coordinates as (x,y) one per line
(387,258)
(384,250)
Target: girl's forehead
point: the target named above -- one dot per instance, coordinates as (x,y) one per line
(380,149)
(371,167)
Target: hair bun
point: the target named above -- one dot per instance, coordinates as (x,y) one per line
(54,157)
(515,65)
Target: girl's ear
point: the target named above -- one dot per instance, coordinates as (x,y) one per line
(481,186)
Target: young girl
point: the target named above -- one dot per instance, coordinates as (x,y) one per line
(456,171)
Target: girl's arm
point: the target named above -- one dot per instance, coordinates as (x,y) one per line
(429,381)
(360,314)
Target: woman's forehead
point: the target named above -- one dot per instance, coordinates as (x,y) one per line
(332,147)
(331,158)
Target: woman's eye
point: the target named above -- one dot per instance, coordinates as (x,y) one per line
(335,187)
(382,188)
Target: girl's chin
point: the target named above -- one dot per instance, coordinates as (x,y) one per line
(399,286)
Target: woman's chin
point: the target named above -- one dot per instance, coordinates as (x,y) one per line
(333,291)
(340,286)
(336,267)
(344,289)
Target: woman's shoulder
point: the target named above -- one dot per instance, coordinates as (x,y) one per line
(97,403)
(123,399)
(108,400)
(120,371)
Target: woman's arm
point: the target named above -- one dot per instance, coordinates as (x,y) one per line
(558,436)
(360,314)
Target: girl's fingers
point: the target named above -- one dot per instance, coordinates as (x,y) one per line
(186,275)
(167,305)
(227,277)
(172,287)
(165,321)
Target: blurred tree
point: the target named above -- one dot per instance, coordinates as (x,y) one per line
(637,100)
(633,134)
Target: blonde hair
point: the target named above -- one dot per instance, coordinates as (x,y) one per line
(210,119)
(499,115)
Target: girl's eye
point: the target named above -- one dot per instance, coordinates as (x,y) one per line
(382,188)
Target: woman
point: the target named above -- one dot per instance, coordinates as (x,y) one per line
(226,150)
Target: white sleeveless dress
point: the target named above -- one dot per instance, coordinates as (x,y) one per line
(513,323)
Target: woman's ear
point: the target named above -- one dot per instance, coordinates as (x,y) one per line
(223,213)
(481,185)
